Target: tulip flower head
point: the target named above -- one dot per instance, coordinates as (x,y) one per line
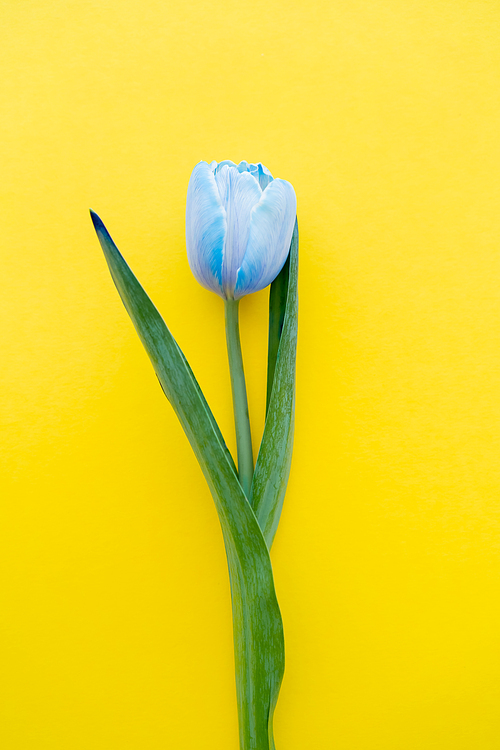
(239,225)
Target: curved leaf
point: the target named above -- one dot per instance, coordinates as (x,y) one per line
(257,624)
(272,469)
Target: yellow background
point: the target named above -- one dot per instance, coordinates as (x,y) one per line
(115,609)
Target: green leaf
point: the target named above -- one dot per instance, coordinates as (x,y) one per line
(257,624)
(275,455)
(277,305)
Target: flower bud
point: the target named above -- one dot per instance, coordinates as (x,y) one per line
(239,225)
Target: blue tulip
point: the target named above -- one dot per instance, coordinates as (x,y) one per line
(239,225)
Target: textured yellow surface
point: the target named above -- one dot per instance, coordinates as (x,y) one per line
(115,610)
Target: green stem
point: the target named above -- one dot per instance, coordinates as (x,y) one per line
(240,403)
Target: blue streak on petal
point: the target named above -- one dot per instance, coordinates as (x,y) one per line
(226,163)
(259,171)
(262,174)
(271,228)
(205,228)
(239,192)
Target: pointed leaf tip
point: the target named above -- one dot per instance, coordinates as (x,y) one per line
(97,222)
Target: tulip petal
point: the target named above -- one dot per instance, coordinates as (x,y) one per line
(271,227)
(205,228)
(239,193)
(225,163)
(259,171)
(261,174)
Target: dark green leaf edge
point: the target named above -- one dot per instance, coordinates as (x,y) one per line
(277,307)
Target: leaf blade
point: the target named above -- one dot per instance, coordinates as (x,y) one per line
(273,464)
(257,624)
